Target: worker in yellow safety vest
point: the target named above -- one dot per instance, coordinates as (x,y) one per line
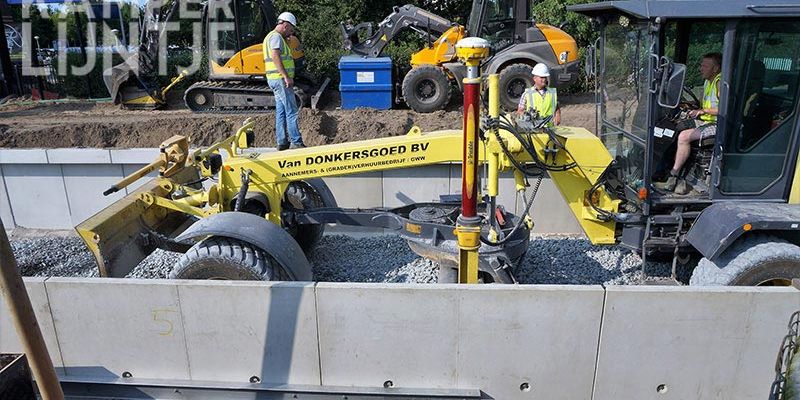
(279,67)
(710,70)
(540,97)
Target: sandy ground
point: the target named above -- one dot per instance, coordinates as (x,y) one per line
(99,125)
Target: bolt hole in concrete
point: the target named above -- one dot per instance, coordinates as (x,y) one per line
(388,384)
(525,387)
(255,379)
(127,375)
(662,388)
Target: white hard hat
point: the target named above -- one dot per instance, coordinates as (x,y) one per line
(288,17)
(541,70)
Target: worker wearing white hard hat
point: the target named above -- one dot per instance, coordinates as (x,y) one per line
(279,67)
(540,97)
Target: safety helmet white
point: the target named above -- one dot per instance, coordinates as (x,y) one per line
(288,17)
(541,70)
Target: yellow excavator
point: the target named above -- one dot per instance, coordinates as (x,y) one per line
(517,41)
(236,78)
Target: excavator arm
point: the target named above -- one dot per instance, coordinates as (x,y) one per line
(424,22)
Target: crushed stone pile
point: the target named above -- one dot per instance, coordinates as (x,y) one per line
(338,258)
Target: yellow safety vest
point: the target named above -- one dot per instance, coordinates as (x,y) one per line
(544,105)
(710,98)
(286,58)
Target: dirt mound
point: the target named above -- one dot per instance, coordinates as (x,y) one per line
(86,124)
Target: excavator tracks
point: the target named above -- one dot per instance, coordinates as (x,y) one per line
(236,97)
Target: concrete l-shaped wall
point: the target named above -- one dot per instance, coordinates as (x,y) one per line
(561,342)
(59,188)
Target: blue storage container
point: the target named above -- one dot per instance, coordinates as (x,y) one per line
(365,82)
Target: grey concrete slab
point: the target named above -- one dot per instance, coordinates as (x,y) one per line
(110,326)
(9,340)
(419,184)
(236,330)
(372,333)
(542,337)
(128,169)
(506,187)
(550,212)
(37,195)
(6,214)
(23,156)
(359,190)
(133,156)
(708,343)
(78,156)
(85,185)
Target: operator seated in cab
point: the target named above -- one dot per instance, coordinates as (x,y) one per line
(541,98)
(706,124)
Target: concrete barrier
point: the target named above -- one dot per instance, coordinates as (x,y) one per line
(511,342)
(59,188)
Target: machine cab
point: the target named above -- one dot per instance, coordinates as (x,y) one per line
(236,30)
(647,67)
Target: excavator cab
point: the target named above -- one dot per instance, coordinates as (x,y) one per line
(743,181)
(240,27)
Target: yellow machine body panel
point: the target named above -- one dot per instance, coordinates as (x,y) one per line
(592,158)
(794,193)
(250,61)
(442,50)
(561,42)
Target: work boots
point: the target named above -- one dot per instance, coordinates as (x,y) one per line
(674,184)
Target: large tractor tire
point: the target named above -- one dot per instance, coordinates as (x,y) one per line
(760,260)
(426,89)
(513,81)
(224,258)
(305,195)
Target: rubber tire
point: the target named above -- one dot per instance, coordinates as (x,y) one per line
(307,236)
(194,105)
(748,262)
(508,76)
(441,86)
(220,257)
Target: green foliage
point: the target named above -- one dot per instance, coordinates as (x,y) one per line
(554,12)
(83,86)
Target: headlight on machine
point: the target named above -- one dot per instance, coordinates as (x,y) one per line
(563,56)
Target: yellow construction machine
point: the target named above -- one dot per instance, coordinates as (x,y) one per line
(259,212)
(271,207)
(234,31)
(517,42)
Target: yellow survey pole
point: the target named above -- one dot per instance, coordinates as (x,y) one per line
(19,304)
(471,51)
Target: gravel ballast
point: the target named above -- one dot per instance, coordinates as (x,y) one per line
(338,258)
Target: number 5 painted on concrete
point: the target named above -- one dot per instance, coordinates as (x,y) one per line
(159,316)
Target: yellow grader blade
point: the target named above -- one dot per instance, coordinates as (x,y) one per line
(126,232)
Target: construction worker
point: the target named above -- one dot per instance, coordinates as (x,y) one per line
(279,66)
(539,97)
(710,70)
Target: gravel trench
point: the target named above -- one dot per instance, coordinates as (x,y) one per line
(338,258)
